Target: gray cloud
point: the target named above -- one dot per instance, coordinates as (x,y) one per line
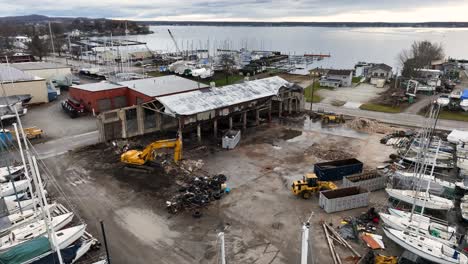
(212,9)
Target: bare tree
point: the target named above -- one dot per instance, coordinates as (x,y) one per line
(228,63)
(38,48)
(419,56)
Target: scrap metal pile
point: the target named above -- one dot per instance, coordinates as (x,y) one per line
(399,139)
(199,192)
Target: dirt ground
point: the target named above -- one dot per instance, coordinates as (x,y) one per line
(260,217)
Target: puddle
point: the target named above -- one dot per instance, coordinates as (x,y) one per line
(337,130)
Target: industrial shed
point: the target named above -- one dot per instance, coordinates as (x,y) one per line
(45,70)
(101,96)
(16,82)
(105,95)
(210,109)
(145,90)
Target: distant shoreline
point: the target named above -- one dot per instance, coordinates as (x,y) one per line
(309,24)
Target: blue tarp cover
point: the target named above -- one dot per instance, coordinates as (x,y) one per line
(464,94)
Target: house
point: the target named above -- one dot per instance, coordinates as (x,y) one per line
(337,78)
(17,82)
(379,72)
(361,68)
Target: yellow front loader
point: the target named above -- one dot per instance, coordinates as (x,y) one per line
(309,185)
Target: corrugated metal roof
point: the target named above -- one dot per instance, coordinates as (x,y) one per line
(37,66)
(164,85)
(9,74)
(219,97)
(99,86)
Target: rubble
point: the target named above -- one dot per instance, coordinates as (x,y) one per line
(371,126)
(199,192)
(328,152)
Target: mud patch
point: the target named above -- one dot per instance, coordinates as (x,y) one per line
(148,227)
(330,152)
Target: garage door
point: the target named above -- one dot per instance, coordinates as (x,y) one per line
(120,101)
(104,105)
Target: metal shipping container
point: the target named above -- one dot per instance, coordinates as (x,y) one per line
(231,139)
(336,170)
(343,199)
(372,180)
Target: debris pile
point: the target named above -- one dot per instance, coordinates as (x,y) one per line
(332,236)
(367,125)
(363,226)
(199,192)
(191,165)
(399,139)
(328,152)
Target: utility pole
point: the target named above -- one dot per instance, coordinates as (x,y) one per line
(105,242)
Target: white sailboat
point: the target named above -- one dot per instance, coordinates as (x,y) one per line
(424,179)
(440,233)
(419,199)
(4,174)
(425,247)
(7,189)
(17,220)
(32,230)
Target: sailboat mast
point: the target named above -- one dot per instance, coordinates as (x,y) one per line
(429,181)
(48,220)
(305,243)
(223,253)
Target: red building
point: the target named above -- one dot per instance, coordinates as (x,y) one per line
(104,96)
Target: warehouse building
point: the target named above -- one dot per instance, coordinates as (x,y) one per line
(45,70)
(105,96)
(211,110)
(17,82)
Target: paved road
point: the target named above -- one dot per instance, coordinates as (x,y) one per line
(404,119)
(62,145)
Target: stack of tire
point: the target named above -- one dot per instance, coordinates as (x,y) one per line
(198,193)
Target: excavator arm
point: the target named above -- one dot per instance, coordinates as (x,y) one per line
(136,157)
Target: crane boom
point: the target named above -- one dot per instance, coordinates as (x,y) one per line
(173,39)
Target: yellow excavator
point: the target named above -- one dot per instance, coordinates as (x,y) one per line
(309,185)
(140,158)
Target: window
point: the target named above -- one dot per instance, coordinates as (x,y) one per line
(382,74)
(376,74)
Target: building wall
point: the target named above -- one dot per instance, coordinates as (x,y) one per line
(49,73)
(135,98)
(345,80)
(37,89)
(380,73)
(91,99)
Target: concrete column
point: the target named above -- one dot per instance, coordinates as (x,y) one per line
(140,120)
(215,128)
(158,121)
(123,117)
(230,122)
(280,110)
(199,132)
(269,112)
(244,120)
(257,117)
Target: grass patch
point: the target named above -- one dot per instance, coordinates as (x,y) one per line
(380,108)
(221,81)
(338,103)
(308,93)
(356,79)
(458,116)
(155,74)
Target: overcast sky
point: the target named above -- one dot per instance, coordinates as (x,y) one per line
(247,10)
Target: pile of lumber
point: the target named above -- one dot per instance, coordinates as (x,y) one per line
(333,237)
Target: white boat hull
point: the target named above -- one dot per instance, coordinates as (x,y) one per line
(433,202)
(412,244)
(7,189)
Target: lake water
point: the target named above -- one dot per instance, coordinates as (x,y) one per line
(346,45)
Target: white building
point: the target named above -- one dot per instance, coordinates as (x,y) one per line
(337,78)
(379,72)
(45,70)
(17,82)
